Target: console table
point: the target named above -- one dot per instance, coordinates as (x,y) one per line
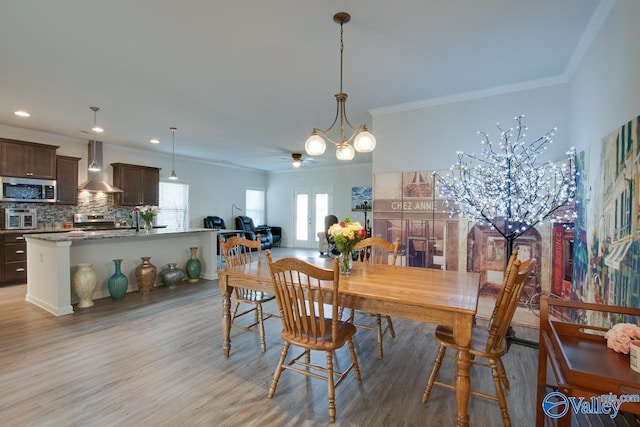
(582,364)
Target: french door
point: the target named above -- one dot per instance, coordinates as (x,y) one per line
(310,206)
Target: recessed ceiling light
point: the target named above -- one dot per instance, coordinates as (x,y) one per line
(22,113)
(154,141)
(97,129)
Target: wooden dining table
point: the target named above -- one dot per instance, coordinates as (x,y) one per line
(427,295)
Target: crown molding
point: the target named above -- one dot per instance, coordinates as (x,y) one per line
(591,31)
(483,93)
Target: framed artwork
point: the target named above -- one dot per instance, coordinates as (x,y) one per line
(361,199)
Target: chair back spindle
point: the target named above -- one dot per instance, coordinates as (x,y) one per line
(301,300)
(513,289)
(377,250)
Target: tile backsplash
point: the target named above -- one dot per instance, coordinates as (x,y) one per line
(51,215)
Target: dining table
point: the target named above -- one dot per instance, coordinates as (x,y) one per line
(442,297)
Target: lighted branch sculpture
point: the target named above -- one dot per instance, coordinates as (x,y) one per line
(507,187)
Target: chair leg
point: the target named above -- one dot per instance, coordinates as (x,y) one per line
(503,374)
(390,325)
(434,373)
(263,344)
(307,358)
(354,359)
(379,325)
(331,389)
(502,401)
(235,311)
(276,375)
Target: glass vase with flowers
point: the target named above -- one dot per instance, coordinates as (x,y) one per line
(147,213)
(346,234)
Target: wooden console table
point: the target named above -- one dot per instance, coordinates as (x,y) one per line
(582,364)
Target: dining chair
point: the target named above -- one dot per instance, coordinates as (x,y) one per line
(376,250)
(487,343)
(240,251)
(304,293)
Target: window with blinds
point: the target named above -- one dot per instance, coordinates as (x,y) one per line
(254,203)
(173,204)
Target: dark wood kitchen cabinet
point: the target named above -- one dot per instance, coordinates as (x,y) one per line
(27,159)
(14,258)
(67,180)
(139,184)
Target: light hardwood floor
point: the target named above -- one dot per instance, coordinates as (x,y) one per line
(156,360)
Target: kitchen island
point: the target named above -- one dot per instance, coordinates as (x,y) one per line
(53,257)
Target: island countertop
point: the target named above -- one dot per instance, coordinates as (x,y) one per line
(78,235)
(52,258)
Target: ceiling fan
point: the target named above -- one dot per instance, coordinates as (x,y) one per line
(296,159)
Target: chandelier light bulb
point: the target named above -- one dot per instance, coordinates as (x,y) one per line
(315,145)
(345,152)
(365,142)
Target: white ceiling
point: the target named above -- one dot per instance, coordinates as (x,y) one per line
(245,81)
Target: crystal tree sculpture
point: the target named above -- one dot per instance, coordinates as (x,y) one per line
(507,187)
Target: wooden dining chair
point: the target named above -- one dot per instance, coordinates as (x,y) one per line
(376,250)
(308,323)
(487,343)
(240,251)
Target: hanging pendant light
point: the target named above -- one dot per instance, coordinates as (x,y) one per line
(364,141)
(173,153)
(94,166)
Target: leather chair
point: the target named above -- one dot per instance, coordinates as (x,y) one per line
(276,232)
(329,220)
(217,223)
(245,224)
(214,222)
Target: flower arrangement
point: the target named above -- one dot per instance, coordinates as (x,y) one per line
(147,212)
(347,234)
(619,337)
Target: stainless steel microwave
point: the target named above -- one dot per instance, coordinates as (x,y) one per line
(27,190)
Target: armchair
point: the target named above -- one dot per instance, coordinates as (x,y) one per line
(217,223)
(245,223)
(214,222)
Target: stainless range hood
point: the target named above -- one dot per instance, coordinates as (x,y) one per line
(95,182)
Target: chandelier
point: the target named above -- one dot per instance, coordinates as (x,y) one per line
(363,141)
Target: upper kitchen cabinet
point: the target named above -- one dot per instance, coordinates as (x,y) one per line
(27,159)
(139,184)
(67,180)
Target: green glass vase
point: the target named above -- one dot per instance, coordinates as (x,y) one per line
(118,282)
(193,266)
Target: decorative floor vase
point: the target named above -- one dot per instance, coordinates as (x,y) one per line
(193,266)
(118,282)
(172,276)
(346,262)
(83,282)
(146,275)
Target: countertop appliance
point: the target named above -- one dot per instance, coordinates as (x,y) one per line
(20,218)
(94,221)
(27,190)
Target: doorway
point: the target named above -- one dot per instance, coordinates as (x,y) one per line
(310,206)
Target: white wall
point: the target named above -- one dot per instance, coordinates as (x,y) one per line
(605,89)
(214,188)
(281,187)
(427,138)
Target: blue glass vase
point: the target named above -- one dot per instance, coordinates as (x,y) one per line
(193,266)
(118,282)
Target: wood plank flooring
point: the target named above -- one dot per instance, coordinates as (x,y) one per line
(156,360)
